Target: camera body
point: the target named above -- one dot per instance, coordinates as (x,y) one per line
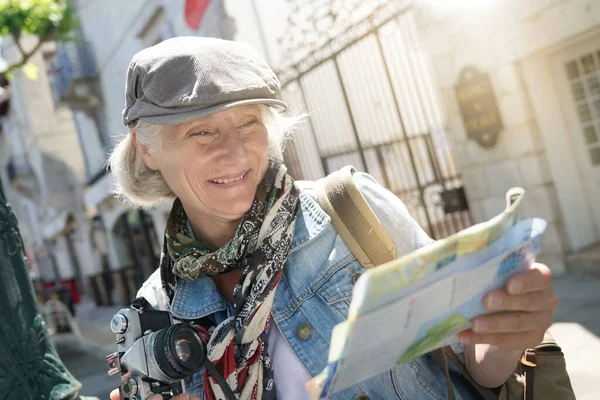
(154,355)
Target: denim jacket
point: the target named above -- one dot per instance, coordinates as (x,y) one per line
(315,292)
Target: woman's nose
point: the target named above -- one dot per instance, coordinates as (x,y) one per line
(232,147)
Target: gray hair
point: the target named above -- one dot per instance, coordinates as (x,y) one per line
(145,188)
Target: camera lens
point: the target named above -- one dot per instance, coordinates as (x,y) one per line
(179,351)
(183,350)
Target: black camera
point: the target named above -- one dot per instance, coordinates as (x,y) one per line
(154,355)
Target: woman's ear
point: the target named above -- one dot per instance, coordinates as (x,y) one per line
(148,157)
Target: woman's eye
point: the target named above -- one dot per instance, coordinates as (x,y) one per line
(200,133)
(249,122)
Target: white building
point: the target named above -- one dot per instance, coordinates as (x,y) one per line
(380,79)
(43,172)
(543,59)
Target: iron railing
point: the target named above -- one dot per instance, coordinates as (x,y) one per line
(373,104)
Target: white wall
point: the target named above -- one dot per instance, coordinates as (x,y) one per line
(49,122)
(110,26)
(114,29)
(498,39)
(272,16)
(89,263)
(91,146)
(63,262)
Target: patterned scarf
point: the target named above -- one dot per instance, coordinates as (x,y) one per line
(237,346)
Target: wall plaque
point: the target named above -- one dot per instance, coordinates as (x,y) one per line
(478,107)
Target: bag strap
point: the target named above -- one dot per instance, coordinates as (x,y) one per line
(353,218)
(440,358)
(528,361)
(484,393)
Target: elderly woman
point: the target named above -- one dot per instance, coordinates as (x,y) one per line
(250,258)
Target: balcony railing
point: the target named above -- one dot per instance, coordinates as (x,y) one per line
(74,74)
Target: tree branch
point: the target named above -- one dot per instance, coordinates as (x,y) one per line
(25,56)
(17,40)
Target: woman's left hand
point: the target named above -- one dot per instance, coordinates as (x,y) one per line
(522,312)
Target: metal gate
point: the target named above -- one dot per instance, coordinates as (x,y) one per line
(358,69)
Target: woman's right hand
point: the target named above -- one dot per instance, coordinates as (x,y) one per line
(114,395)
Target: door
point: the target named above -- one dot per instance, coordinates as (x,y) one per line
(577,75)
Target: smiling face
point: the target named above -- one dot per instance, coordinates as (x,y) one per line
(214,164)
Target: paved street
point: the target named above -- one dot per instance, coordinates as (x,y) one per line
(85,357)
(88,366)
(576,329)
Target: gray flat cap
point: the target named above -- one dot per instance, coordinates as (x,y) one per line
(186,78)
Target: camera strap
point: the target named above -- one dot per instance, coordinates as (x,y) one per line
(141,304)
(214,372)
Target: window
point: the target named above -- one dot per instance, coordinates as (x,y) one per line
(584,79)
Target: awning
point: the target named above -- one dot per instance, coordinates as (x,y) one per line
(100,190)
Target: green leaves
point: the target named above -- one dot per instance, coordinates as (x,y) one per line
(43,18)
(46,19)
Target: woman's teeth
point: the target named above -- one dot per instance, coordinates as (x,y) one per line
(227,180)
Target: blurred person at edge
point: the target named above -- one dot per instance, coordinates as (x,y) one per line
(250,256)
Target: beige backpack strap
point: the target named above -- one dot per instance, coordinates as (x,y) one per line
(353,218)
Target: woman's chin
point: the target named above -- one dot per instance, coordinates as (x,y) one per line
(237,208)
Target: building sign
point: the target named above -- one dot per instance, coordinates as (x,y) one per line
(478,107)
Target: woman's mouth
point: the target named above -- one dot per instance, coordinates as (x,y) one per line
(229,180)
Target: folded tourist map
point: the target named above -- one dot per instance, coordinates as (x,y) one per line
(417,303)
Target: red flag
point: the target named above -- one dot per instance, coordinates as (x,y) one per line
(194,10)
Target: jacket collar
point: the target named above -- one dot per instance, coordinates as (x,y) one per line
(200,297)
